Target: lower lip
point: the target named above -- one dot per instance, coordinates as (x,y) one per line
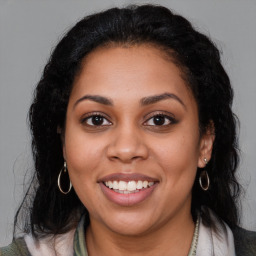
(127,199)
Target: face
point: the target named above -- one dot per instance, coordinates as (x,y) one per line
(132,141)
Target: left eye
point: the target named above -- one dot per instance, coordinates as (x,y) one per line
(97,120)
(159,120)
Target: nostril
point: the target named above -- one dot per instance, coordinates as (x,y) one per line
(127,148)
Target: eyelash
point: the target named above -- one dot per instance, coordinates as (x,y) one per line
(168,118)
(89,116)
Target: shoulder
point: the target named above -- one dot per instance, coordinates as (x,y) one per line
(16,248)
(245,242)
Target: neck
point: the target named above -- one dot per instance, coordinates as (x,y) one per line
(174,237)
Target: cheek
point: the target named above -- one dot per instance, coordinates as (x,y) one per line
(83,156)
(178,157)
(83,160)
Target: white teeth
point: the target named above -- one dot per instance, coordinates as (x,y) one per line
(131,185)
(139,185)
(125,191)
(122,185)
(145,184)
(110,184)
(115,185)
(128,187)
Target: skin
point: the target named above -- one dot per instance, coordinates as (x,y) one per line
(129,141)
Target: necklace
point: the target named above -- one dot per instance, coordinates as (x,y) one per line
(192,251)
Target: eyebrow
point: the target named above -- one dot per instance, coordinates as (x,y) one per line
(156,98)
(96,98)
(144,101)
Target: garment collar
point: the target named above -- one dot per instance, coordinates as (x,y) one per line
(215,242)
(211,242)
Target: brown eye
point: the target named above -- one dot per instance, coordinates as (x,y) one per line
(96,120)
(160,120)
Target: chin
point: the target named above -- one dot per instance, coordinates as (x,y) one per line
(130,230)
(130,224)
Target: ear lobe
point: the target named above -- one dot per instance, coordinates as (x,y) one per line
(206,146)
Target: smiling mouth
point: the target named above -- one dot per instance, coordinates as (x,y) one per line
(128,187)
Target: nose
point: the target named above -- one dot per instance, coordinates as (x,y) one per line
(126,146)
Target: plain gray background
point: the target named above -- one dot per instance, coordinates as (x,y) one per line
(30,29)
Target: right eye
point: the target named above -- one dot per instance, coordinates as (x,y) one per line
(160,120)
(96,120)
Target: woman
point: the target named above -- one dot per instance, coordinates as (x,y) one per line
(134,143)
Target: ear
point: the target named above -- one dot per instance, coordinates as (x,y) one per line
(206,145)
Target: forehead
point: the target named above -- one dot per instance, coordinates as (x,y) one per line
(143,69)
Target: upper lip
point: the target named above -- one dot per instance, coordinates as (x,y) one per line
(126,177)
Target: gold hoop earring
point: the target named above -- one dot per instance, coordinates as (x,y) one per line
(70,184)
(204,180)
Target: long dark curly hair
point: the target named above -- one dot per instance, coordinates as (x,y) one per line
(51,212)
